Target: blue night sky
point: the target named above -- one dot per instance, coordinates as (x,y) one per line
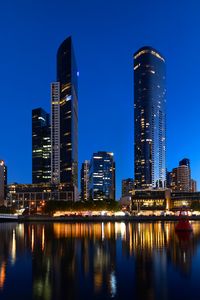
(105,36)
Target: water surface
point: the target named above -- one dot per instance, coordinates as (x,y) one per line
(98,261)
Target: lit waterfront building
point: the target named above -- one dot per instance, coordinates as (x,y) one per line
(102,176)
(41,146)
(85,180)
(64,108)
(149,119)
(35,195)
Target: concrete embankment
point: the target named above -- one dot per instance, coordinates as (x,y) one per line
(102,218)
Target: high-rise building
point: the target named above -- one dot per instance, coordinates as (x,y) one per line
(149,119)
(168,179)
(181,177)
(85,180)
(55,132)
(193,186)
(174,180)
(64,107)
(41,146)
(127,186)
(3,181)
(102,176)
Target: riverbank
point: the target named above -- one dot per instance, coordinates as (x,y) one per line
(96,219)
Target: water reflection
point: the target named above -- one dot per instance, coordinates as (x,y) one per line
(77,261)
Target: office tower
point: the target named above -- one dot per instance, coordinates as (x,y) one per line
(85,180)
(149,119)
(168,179)
(41,146)
(181,179)
(102,176)
(55,132)
(193,186)
(3,181)
(64,99)
(174,179)
(181,176)
(127,186)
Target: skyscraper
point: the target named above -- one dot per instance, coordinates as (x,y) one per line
(85,180)
(65,120)
(102,176)
(55,132)
(193,185)
(149,119)
(181,177)
(3,181)
(41,146)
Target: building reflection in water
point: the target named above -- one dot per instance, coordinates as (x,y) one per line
(84,255)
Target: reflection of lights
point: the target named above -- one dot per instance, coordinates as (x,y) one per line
(113,284)
(32,239)
(43,238)
(13,250)
(184,257)
(2,275)
(123,230)
(120,229)
(98,281)
(102,230)
(21,230)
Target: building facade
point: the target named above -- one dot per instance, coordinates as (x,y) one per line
(181,178)
(85,180)
(26,195)
(127,186)
(3,181)
(102,176)
(193,186)
(41,146)
(64,103)
(163,199)
(149,119)
(55,132)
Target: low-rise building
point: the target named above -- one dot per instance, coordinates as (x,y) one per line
(163,199)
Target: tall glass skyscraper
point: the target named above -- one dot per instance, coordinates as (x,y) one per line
(85,180)
(149,118)
(65,120)
(102,176)
(41,146)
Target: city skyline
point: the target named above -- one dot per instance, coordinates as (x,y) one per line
(35,67)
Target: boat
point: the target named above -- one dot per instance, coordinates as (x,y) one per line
(183,224)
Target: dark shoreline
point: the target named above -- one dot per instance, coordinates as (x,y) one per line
(96,219)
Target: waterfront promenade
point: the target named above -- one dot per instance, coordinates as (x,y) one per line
(46,218)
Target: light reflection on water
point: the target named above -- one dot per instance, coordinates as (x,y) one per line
(98,261)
